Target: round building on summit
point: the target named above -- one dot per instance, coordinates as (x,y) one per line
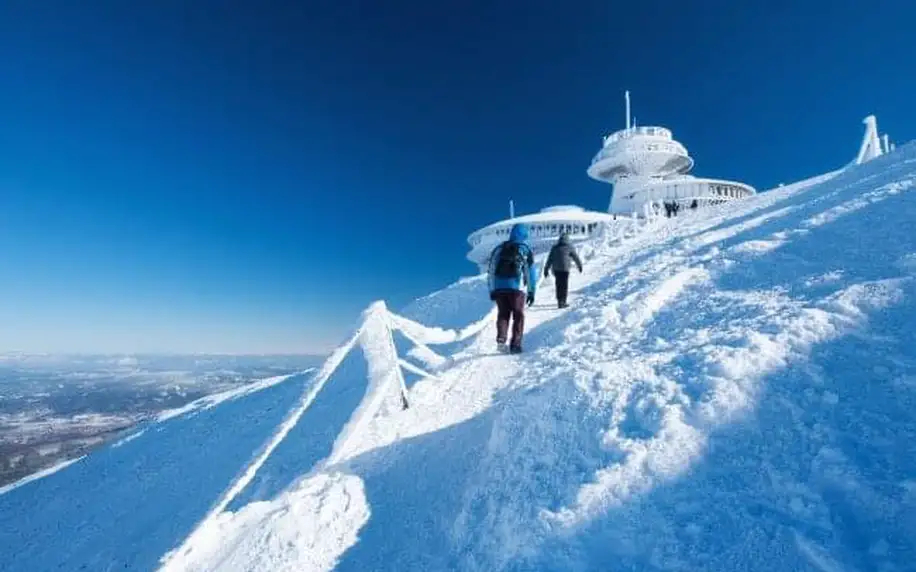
(648,168)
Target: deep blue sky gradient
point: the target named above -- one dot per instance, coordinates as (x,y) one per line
(246,176)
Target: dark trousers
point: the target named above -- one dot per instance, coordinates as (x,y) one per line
(510,304)
(562,286)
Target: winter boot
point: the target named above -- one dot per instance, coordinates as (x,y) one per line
(515,349)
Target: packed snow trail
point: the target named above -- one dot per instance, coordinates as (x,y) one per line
(730,390)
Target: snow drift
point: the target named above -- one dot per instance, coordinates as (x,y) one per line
(730,390)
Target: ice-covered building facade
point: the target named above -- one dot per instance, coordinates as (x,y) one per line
(545,227)
(647,168)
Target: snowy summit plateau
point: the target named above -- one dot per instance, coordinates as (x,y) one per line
(732,388)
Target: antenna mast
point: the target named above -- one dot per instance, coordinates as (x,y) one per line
(511,208)
(627,96)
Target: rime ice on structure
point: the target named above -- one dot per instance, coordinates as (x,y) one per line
(647,165)
(873,145)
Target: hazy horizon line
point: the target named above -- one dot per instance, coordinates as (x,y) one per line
(19,353)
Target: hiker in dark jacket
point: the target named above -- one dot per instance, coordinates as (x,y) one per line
(512,280)
(560,261)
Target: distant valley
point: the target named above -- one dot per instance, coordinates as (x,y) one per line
(57,408)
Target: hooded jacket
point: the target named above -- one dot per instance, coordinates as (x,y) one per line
(562,256)
(528,280)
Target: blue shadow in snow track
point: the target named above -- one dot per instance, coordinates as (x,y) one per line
(815,478)
(123,507)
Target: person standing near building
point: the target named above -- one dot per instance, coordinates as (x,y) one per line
(512,280)
(560,261)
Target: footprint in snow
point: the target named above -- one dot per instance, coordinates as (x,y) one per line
(643,415)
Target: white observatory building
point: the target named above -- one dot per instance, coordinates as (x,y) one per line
(648,166)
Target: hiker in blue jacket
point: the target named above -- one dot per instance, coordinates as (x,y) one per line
(513,280)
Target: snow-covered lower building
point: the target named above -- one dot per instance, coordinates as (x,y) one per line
(545,228)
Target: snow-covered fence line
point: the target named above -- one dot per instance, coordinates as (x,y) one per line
(374,336)
(376,333)
(385,389)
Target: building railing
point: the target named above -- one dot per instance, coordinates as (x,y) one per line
(635,131)
(537,231)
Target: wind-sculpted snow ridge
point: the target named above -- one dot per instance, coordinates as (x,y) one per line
(361,380)
(729,390)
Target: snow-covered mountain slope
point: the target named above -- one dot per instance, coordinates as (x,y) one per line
(730,390)
(124,506)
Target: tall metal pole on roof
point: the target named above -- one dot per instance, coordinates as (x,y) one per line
(627,96)
(511,208)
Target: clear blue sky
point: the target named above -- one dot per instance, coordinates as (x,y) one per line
(246,176)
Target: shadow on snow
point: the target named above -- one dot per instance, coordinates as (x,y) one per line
(124,507)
